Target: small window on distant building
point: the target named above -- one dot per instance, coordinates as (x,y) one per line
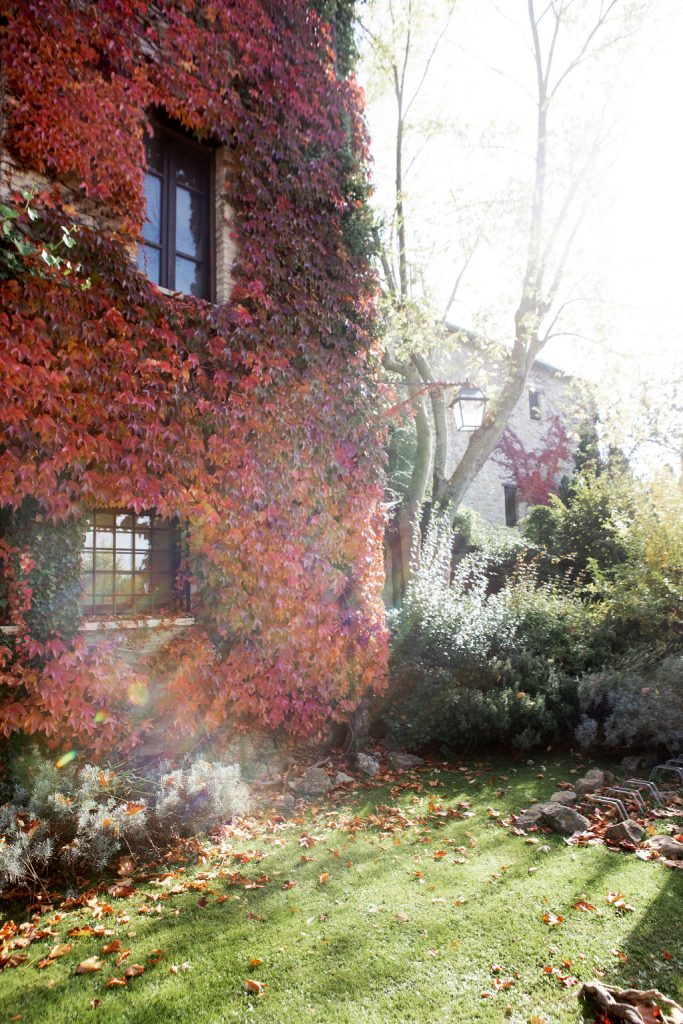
(535,405)
(511,504)
(129,564)
(175,251)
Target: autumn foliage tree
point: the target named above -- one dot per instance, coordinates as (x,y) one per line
(254,421)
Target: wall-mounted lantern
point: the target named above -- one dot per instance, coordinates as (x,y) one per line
(468,407)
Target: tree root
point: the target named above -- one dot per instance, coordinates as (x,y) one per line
(631,1005)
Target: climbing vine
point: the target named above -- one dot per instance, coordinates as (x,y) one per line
(255,422)
(536,471)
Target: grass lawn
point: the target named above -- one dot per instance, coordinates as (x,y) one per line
(400,915)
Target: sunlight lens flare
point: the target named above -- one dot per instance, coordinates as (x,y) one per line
(66,759)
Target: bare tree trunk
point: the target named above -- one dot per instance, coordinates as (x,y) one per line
(411,510)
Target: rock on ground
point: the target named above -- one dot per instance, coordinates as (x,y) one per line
(341,778)
(590,783)
(398,760)
(564,796)
(561,819)
(629,831)
(367,764)
(314,782)
(667,846)
(564,820)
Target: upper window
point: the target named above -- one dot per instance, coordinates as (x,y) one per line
(129,564)
(535,405)
(175,251)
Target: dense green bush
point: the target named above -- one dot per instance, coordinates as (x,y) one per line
(584,533)
(473,668)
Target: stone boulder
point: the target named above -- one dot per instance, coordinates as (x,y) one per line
(666,846)
(314,782)
(592,781)
(559,818)
(564,796)
(564,820)
(530,817)
(367,764)
(625,831)
(341,779)
(400,761)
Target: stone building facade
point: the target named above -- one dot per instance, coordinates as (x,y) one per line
(549,393)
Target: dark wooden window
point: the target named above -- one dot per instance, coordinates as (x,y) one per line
(511,504)
(176,248)
(129,564)
(535,405)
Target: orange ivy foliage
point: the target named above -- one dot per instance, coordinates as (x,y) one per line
(255,421)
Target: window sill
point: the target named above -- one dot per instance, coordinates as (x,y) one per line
(92,625)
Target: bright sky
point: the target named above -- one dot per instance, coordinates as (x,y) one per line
(629,263)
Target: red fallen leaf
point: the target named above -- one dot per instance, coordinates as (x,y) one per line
(307,841)
(440,854)
(40,965)
(288,884)
(304,859)
(123,955)
(256,988)
(255,962)
(619,954)
(667,955)
(487,995)
(324,878)
(134,807)
(112,947)
(500,984)
(94,1003)
(134,971)
(202,902)
(89,966)
(552,919)
(583,905)
(116,983)
(81,932)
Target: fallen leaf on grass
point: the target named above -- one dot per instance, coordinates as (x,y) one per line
(401,917)
(61,950)
(324,878)
(116,983)
(89,966)
(134,971)
(255,962)
(618,901)
(94,1003)
(112,947)
(583,905)
(177,968)
(552,919)
(256,988)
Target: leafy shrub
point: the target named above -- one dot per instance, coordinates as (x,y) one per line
(636,708)
(470,667)
(585,532)
(78,819)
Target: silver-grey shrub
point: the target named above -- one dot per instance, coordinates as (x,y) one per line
(636,708)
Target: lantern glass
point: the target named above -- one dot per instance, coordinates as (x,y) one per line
(468,408)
